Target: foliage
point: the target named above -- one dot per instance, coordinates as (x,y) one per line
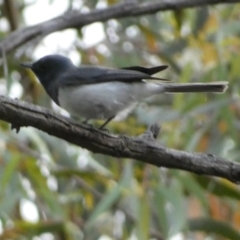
(51,189)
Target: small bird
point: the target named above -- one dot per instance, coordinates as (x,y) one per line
(105,93)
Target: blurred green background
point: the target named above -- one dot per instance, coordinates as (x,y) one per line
(50,189)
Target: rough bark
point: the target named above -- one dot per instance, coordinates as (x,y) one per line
(143,148)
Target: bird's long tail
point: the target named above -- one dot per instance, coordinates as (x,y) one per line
(217,87)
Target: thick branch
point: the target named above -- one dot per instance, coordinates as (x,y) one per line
(74,19)
(142,148)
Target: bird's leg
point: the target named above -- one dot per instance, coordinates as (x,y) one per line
(105,123)
(86,122)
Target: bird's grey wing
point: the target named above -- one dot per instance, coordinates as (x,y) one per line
(92,75)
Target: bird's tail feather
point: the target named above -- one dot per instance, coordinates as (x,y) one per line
(149,71)
(218,87)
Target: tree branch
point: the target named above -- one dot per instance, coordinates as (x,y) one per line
(142,148)
(74,19)
(11,12)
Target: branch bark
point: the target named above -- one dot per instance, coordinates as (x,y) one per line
(75,19)
(143,148)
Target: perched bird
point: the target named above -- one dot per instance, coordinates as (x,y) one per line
(104,93)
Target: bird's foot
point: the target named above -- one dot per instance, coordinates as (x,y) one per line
(105,123)
(152,132)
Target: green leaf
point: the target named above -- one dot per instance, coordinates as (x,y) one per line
(208,225)
(39,184)
(193,187)
(143,218)
(202,15)
(173,206)
(8,172)
(161,201)
(112,196)
(219,188)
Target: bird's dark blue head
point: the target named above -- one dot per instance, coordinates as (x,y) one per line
(50,67)
(49,70)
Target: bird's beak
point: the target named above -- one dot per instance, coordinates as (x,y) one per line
(26,65)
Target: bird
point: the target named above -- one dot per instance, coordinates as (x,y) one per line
(94,92)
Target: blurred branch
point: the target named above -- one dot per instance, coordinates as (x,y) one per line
(75,19)
(143,148)
(11,13)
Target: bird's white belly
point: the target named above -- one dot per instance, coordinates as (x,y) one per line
(97,101)
(105,100)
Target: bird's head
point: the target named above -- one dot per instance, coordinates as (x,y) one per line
(50,67)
